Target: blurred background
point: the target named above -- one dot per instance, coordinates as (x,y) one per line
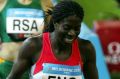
(103,19)
(101,26)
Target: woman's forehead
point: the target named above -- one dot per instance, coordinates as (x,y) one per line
(72,19)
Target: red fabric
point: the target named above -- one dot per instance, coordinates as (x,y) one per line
(47,55)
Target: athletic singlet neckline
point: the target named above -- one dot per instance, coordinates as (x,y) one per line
(47,50)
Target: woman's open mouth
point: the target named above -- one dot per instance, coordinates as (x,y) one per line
(69,39)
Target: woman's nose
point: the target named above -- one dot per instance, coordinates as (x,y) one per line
(71,32)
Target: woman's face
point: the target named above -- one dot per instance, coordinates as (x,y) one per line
(68,29)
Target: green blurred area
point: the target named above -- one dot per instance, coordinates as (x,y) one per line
(99,10)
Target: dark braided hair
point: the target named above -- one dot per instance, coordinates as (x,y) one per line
(64,9)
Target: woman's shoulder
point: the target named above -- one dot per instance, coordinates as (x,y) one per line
(86,49)
(31,47)
(34,41)
(33,38)
(84,42)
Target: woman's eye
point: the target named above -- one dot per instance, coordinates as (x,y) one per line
(77,29)
(66,28)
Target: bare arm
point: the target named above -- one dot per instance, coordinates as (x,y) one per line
(24,60)
(90,69)
(89,59)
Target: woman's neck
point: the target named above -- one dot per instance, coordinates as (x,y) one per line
(57,43)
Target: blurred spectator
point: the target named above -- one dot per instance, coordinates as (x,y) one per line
(18,20)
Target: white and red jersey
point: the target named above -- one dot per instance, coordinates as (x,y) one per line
(49,67)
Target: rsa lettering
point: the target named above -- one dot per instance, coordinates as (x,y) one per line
(25,25)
